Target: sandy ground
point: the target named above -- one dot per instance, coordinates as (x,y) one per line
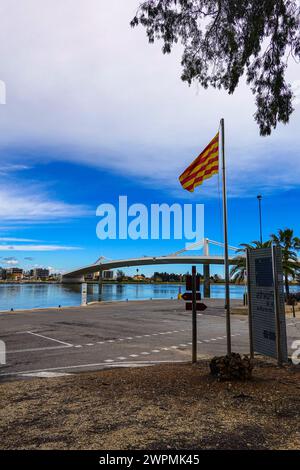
(172,406)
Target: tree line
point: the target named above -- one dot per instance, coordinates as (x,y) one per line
(289,244)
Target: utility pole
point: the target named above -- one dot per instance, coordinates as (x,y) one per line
(259,197)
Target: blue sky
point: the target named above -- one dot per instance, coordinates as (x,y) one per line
(93,112)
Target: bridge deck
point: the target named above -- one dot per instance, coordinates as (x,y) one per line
(146,261)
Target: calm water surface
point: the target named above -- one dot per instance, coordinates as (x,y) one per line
(26,296)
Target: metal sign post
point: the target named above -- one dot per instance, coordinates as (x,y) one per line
(194,315)
(193,286)
(277,307)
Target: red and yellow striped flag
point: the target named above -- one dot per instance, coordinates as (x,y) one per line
(203,167)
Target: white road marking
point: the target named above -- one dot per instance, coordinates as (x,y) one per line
(47,337)
(121,358)
(45,375)
(15,351)
(145,353)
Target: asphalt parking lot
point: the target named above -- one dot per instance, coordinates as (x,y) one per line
(52,342)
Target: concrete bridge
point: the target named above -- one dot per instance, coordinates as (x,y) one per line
(77,276)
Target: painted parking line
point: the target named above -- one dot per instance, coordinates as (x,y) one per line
(118,361)
(68,345)
(46,348)
(161,349)
(154,334)
(48,337)
(130,338)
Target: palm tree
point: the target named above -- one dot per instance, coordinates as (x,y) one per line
(238,271)
(289,246)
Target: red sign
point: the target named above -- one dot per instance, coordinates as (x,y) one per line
(189,296)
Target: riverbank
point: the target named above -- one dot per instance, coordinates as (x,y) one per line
(171,406)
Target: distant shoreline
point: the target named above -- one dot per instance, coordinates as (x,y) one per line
(104,281)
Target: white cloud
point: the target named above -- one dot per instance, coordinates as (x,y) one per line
(11,261)
(78,77)
(38,248)
(22,204)
(7,168)
(12,239)
(296,91)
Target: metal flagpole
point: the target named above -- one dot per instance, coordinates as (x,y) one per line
(226,262)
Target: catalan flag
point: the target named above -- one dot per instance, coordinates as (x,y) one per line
(203,167)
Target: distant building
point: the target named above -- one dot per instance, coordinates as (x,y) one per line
(139,277)
(40,273)
(14,274)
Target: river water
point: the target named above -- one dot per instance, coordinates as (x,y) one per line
(27,296)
